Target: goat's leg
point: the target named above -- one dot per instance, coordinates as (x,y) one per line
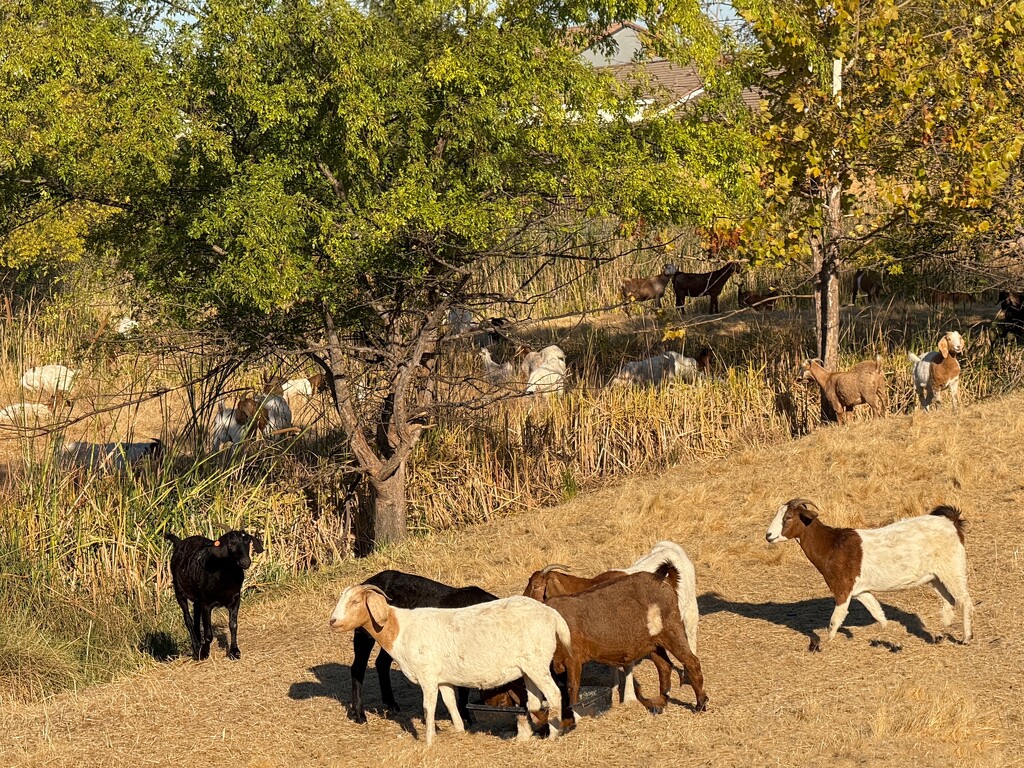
(622,679)
(383,665)
(661,661)
(947,603)
(462,699)
(204,652)
(838,617)
(197,631)
(448,697)
(874,607)
(955,586)
(674,641)
(429,704)
(714,303)
(233,651)
(362,645)
(540,683)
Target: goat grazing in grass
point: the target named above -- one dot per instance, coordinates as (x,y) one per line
(480,646)
(864,384)
(210,574)
(928,549)
(647,288)
(710,284)
(867,283)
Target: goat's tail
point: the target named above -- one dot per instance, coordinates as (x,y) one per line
(670,553)
(175,541)
(954,516)
(562,633)
(913,358)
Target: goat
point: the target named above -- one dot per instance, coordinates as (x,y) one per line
(210,574)
(660,369)
(764,302)
(928,549)
(545,371)
(479,646)
(101,457)
(647,288)
(702,284)
(491,332)
(25,413)
(126,326)
(1010,318)
(622,621)
(495,373)
(53,380)
(867,283)
(550,582)
(271,416)
(938,371)
(406,590)
(864,384)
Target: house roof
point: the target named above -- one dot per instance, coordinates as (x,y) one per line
(683,83)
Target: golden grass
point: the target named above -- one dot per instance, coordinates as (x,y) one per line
(772,703)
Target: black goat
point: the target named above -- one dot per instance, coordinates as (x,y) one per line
(405,590)
(210,574)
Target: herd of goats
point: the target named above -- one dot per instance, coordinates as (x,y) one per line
(269,413)
(525,654)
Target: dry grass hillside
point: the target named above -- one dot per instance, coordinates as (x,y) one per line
(876,697)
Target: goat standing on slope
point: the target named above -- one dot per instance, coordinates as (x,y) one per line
(482,646)
(210,574)
(928,549)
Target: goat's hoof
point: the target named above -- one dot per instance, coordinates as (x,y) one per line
(815,646)
(567,726)
(701,705)
(392,706)
(655,710)
(234,654)
(357,717)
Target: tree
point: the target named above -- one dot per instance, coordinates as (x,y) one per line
(328,180)
(882,114)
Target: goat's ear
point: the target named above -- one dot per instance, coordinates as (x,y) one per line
(257,544)
(944,347)
(378,607)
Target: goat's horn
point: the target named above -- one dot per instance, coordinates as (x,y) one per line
(223,528)
(804,503)
(378,590)
(556,567)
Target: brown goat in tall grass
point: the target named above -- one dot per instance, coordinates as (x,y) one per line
(647,288)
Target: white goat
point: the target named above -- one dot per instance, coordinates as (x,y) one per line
(938,371)
(482,646)
(928,549)
(102,457)
(686,592)
(25,413)
(494,372)
(545,371)
(659,369)
(271,416)
(126,326)
(49,379)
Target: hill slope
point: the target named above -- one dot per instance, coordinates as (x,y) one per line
(772,703)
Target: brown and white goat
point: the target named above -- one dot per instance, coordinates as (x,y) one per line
(867,283)
(928,549)
(939,371)
(621,621)
(864,384)
(647,288)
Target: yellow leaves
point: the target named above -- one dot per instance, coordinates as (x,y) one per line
(797,102)
(800,133)
(673,335)
(984,226)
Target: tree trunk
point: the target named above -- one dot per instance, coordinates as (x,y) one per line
(389,503)
(825,248)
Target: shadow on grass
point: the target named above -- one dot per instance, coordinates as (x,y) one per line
(811,617)
(160,645)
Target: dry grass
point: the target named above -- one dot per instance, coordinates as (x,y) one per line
(772,703)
